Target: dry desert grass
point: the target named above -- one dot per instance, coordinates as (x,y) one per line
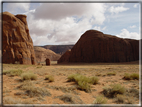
(95,83)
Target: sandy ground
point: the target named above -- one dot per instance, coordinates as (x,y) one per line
(13,94)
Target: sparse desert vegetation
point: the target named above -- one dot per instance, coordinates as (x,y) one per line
(71,83)
(83,82)
(32,91)
(111,73)
(49,77)
(28,76)
(70,99)
(132,76)
(13,72)
(114,89)
(100,100)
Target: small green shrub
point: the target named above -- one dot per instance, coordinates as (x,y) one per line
(77,77)
(127,76)
(113,90)
(111,73)
(13,72)
(36,91)
(93,80)
(6,72)
(100,100)
(49,77)
(135,76)
(124,99)
(33,91)
(82,78)
(82,85)
(132,76)
(117,88)
(71,78)
(83,82)
(28,76)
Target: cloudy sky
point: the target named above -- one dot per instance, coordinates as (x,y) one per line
(64,23)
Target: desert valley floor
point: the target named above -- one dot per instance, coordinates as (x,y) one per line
(60,91)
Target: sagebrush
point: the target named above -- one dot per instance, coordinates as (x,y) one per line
(28,76)
(113,90)
(100,100)
(13,72)
(82,81)
(132,76)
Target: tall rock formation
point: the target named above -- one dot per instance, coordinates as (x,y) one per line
(17,45)
(94,46)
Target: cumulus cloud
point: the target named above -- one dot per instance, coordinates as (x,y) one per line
(63,23)
(117,9)
(65,31)
(126,34)
(56,11)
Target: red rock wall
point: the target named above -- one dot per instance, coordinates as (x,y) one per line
(17,45)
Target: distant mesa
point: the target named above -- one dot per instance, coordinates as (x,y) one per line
(17,44)
(42,54)
(94,46)
(59,49)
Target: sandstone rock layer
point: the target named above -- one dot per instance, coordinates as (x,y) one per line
(42,54)
(94,46)
(17,43)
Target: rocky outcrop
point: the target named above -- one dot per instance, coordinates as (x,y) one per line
(65,57)
(17,44)
(47,61)
(42,54)
(94,46)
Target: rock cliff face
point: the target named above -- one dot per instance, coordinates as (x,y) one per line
(17,43)
(94,46)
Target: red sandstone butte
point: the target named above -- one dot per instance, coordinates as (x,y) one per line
(17,43)
(94,46)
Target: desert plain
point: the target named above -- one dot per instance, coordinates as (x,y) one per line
(62,91)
